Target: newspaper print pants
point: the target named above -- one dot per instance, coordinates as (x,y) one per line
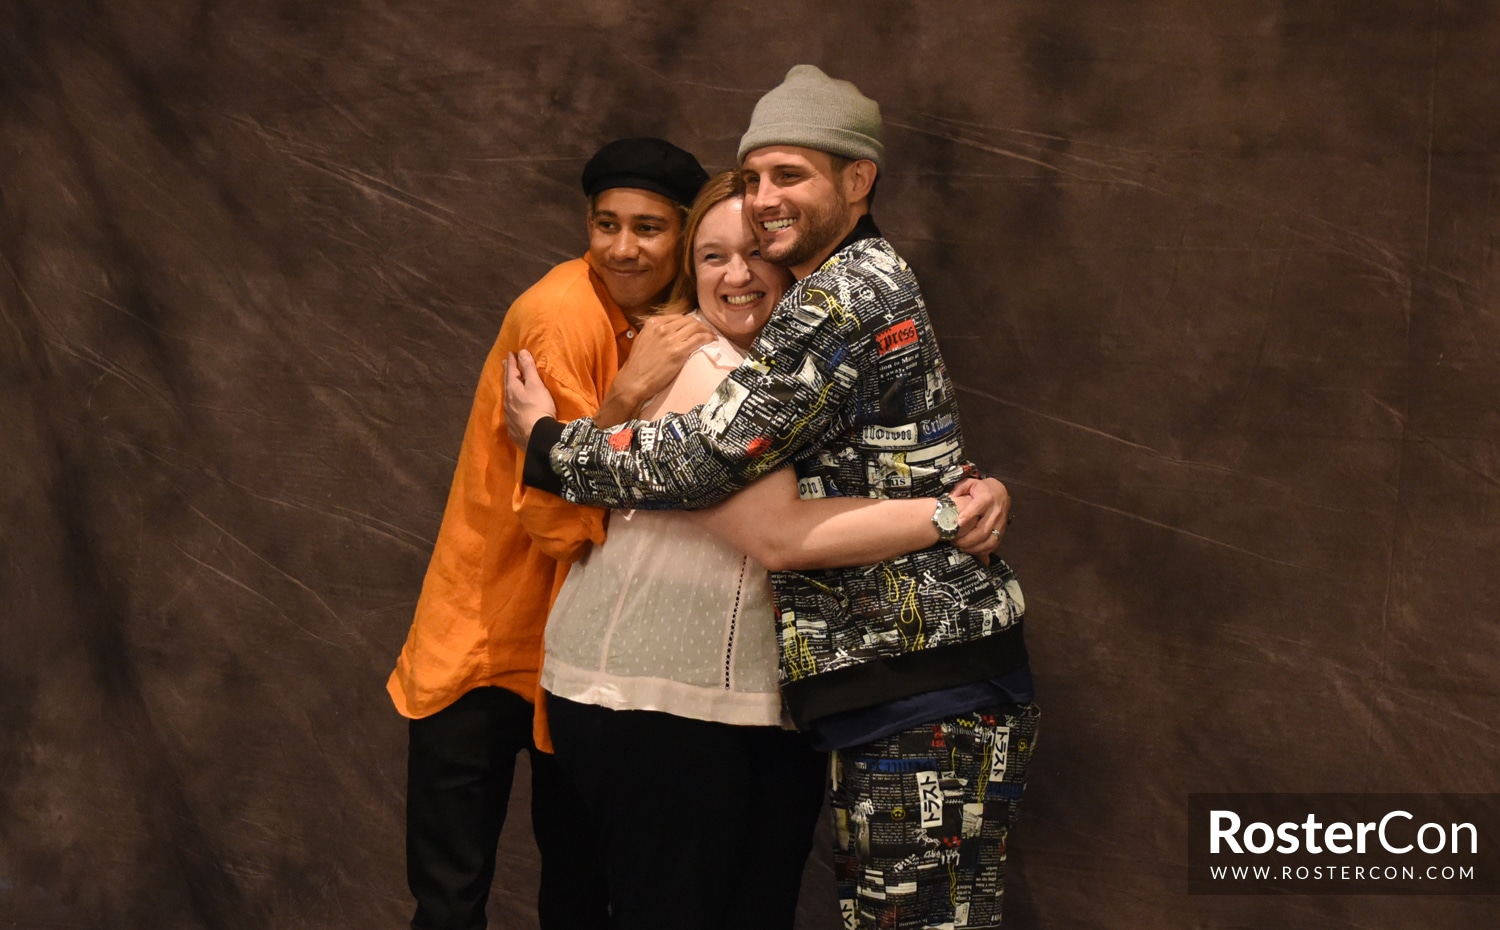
(921,820)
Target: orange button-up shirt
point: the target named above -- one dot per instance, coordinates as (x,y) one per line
(503,549)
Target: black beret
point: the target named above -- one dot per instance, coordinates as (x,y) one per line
(650,164)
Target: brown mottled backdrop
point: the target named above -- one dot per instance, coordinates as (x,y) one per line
(1218,282)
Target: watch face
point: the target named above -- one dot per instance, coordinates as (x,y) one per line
(946,517)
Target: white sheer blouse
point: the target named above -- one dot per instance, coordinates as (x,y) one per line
(663,616)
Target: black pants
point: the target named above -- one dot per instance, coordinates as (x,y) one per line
(701,826)
(460,764)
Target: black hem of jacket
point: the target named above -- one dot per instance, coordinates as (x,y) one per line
(881,680)
(537,472)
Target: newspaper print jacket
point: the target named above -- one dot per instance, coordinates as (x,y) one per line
(846,380)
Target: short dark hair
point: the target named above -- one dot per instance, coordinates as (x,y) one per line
(841,162)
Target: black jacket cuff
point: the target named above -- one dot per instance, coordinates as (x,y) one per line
(538,472)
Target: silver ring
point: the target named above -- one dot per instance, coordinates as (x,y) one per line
(995,533)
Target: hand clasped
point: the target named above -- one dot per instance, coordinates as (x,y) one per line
(526,397)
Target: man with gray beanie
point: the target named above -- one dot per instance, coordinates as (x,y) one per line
(913,671)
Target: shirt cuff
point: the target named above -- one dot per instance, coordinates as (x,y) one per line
(538,472)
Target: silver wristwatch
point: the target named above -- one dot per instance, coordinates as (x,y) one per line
(945,518)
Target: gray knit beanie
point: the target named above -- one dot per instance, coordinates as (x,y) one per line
(812,110)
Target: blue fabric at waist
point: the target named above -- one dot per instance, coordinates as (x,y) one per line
(851,728)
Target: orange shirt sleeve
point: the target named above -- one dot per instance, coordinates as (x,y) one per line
(577,360)
(448,646)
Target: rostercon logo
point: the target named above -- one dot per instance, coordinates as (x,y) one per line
(1343,844)
(1336,838)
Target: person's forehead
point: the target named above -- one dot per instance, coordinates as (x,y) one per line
(771,156)
(724,213)
(634,201)
(723,223)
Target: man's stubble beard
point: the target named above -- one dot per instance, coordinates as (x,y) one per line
(821,230)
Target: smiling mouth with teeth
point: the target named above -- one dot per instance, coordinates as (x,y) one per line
(774,225)
(744,299)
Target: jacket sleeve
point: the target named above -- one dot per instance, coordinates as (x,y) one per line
(571,368)
(771,407)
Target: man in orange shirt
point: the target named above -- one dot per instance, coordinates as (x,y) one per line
(467,677)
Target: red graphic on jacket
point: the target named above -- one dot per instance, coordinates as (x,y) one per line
(898,336)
